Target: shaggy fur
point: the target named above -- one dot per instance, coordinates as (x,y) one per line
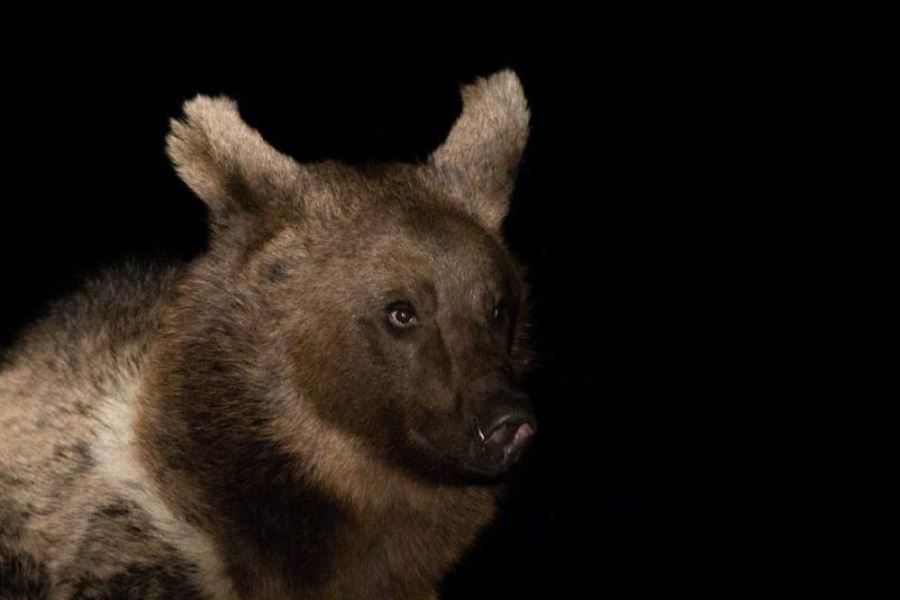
(321,406)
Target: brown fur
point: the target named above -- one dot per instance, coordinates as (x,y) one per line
(252,425)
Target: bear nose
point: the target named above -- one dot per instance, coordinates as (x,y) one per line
(510,429)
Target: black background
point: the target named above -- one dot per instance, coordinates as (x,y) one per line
(702,202)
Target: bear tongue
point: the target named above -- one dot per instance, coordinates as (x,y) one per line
(512,437)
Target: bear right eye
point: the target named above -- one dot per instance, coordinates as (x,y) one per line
(402,315)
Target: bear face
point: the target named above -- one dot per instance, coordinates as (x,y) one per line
(398,310)
(421,312)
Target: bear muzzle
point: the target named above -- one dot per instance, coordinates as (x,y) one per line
(503,430)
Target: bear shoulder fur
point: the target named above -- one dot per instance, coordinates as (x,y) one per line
(323,405)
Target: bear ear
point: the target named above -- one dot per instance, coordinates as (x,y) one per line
(227,163)
(478,161)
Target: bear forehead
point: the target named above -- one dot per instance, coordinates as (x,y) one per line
(435,253)
(428,240)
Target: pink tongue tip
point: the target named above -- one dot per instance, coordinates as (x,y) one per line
(524,432)
(510,437)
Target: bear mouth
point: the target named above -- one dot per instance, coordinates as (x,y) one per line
(510,437)
(483,454)
(504,444)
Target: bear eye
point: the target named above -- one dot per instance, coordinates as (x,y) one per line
(402,314)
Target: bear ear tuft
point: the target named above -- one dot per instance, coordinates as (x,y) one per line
(225,162)
(478,161)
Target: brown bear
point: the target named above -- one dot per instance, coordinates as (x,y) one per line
(322,405)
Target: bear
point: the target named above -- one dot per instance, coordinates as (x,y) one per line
(324,404)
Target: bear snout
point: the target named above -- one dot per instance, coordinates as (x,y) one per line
(504,428)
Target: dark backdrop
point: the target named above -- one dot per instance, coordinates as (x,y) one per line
(701,191)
